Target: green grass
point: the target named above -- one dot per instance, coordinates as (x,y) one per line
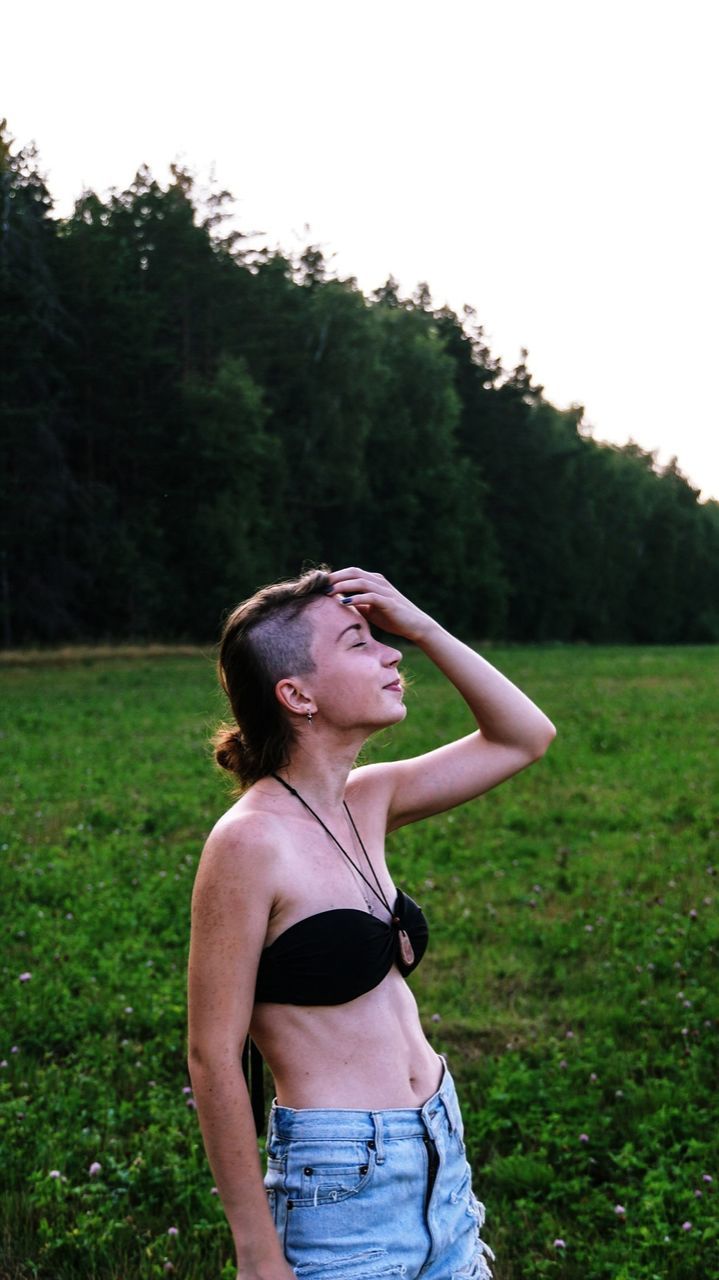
(571,977)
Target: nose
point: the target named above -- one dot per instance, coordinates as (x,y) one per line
(391,657)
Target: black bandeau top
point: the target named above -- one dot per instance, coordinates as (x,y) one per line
(331,958)
(334,956)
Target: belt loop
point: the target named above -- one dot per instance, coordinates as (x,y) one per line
(450,1104)
(448,1111)
(379,1144)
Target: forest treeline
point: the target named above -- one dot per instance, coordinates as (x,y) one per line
(185,417)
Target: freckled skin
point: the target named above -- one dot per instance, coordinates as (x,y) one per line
(268,863)
(391,1064)
(349,696)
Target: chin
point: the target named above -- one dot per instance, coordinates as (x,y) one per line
(386,722)
(398,716)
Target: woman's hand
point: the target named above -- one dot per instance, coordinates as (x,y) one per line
(379,602)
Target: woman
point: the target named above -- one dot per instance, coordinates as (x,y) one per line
(301,938)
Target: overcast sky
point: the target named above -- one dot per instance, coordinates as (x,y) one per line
(550,162)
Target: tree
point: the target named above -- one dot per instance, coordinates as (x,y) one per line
(226,499)
(37,491)
(183,417)
(426,511)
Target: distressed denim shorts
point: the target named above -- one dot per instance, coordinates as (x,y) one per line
(357,1195)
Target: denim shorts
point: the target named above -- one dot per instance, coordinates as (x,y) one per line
(360,1194)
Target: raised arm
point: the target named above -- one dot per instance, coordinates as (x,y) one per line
(511,731)
(231,903)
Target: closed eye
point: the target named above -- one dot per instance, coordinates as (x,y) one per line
(359,645)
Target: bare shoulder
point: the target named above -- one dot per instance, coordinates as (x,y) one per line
(241,854)
(232,900)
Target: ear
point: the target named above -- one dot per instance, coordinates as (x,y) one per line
(294,698)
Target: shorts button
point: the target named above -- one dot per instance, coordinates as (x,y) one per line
(371,1144)
(308,1171)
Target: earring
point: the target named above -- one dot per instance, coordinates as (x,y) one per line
(309,717)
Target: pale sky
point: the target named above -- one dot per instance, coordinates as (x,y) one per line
(550,162)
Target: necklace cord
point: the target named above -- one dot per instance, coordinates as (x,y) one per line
(369,864)
(378,892)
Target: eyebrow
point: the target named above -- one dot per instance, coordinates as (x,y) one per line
(354,626)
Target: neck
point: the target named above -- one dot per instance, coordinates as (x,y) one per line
(319,768)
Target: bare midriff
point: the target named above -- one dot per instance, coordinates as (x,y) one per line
(369,1054)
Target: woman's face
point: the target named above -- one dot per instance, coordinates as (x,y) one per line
(355,683)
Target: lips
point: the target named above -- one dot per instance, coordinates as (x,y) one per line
(396,684)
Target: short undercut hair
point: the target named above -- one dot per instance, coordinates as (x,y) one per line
(263,639)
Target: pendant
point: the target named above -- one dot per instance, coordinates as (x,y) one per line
(406,950)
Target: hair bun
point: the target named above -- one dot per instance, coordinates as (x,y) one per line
(230,749)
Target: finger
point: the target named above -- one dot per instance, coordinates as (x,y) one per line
(356,585)
(350,571)
(365,600)
(361,595)
(344,575)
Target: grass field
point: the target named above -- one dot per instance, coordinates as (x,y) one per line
(571,976)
